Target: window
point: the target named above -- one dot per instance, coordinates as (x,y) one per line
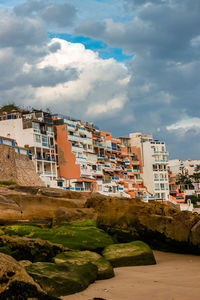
(37,138)
(162,185)
(44,141)
(35,126)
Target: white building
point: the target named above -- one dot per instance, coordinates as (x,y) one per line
(154,160)
(34,131)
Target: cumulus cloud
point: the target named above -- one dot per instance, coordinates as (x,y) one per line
(164,38)
(55,73)
(100,89)
(61,15)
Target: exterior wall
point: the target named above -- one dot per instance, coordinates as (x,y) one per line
(17,167)
(14,130)
(66,159)
(45,167)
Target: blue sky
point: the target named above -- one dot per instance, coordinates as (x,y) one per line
(150,85)
(102,48)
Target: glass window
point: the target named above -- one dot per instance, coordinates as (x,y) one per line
(37,138)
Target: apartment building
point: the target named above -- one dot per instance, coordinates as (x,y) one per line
(154,160)
(34,130)
(92,160)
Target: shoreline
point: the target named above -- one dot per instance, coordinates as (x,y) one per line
(174,277)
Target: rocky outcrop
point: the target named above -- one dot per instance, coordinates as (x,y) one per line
(130,254)
(62,279)
(22,248)
(105,269)
(161,226)
(17,167)
(79,235)
(70,215)
(19,290)
(10,271)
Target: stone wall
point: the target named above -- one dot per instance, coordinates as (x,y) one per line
(17,167)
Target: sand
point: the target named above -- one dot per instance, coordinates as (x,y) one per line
(175,277)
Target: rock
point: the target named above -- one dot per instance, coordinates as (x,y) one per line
(25,263)
(62,279)
(159,225)
(22,248)
(195,234)
(19,290)
(70,215)
(130,254)
(105,269)
(10,271)
(79,235)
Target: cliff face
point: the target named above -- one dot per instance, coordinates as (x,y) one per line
(161,226)
(17,167)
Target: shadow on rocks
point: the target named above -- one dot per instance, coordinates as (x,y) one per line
(19,290)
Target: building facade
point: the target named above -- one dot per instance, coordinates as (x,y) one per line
(154,160)
(34,131)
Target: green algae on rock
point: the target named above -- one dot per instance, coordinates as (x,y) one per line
(79,235)
(160,226)
(22,248)
(129,254)
(62,279)
(105,269)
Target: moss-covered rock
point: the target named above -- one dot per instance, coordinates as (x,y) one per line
(130,254)
(80,235)
(69,215)
(159,225)
(22,248)
(62,279)
(105,269)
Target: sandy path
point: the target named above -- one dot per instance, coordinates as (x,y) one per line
(175,277)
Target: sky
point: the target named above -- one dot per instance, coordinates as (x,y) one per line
(126,65)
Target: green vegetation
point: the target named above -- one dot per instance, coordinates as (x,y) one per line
(130,254)
(62,279)
(194,199)
(7,182)
(105,269)
(29,249)
(80,236)
(9,107)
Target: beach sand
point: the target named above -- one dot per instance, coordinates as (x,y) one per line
(175,277)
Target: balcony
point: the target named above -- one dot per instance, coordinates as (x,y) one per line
(161,152)
(47,158)
(100,156)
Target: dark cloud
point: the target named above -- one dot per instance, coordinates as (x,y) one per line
(61,15)
(164,37)
(20,32)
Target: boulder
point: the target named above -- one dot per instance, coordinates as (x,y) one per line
(19,290)
(62,279)
(10,271)
(70,215)
(105,269)
(22,248)
(195,234)
(162,227)
(78,235)
(130,254)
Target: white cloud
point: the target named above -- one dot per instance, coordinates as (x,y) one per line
(186,124)
(101,85)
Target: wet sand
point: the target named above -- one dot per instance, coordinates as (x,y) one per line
(175,277)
